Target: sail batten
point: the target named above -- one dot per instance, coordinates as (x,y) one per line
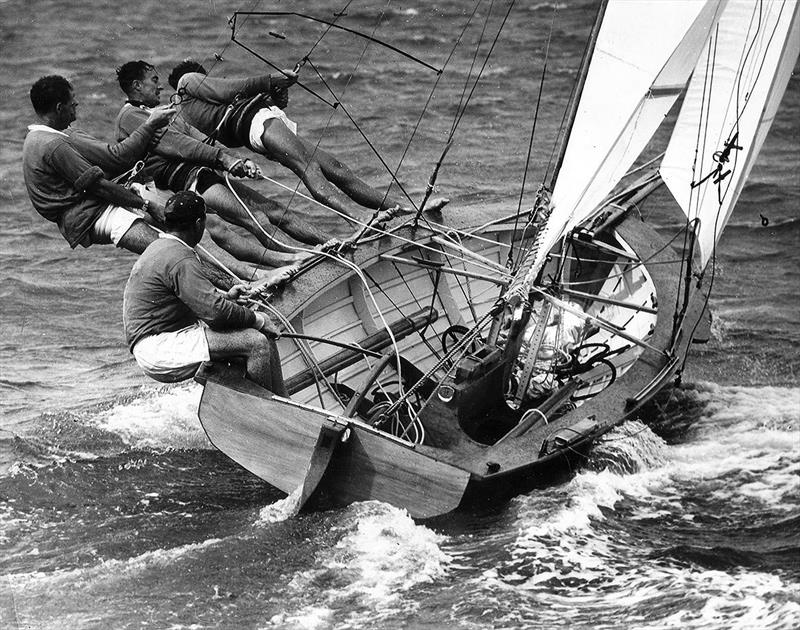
(730,104)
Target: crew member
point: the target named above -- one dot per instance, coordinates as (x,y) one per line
(180,160)
(233,112)
(174,317)
(66,188)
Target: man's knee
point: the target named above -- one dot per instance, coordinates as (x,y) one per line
(261,346)
(138,237)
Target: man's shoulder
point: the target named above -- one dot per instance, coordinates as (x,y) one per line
(39,135)
(80,137)
(130,113)
(40,142)
(191,79)
(168,250)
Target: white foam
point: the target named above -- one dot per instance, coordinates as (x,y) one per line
(282,509)
(381,555)
(750,433)
(568,558)
(161,418)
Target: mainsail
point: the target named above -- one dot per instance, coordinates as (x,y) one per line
(729,107)
(641,62)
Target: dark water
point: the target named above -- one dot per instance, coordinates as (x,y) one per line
(116,513)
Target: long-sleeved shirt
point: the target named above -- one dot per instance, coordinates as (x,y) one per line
(113,158)
(167,291)
(205,101)
(57,178)
(178,143)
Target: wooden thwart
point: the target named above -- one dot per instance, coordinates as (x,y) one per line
(375,342)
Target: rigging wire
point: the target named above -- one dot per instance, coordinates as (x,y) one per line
(510,261)
(437,229)
(740,110)
(473,60)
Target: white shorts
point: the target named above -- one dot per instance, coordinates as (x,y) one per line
(111,226)
(173,356)
(262,116)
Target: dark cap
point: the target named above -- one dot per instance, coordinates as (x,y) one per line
(184,208)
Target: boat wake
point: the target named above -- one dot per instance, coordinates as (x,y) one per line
(158,419)
(153,419)
(695,530)
(381,555)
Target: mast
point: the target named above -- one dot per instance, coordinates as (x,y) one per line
(575,99)
(517,291)
(516,297)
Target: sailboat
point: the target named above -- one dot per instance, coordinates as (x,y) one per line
(424,372)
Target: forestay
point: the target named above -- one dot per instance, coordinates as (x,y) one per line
(729,107)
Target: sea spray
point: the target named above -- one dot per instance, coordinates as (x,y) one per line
(282,509)
(380,556)
(160,418)
(629,448)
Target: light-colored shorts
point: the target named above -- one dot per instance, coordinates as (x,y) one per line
(262,116)
(173,356)
(112,225)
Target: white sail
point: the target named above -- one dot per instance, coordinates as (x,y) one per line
(728,109)
(642,60)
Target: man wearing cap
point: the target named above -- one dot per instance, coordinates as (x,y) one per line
(174,317)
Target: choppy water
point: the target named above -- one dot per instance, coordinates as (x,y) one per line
(115,512)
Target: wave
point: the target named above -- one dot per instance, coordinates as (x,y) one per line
(786,224)
(47,599)
(380,556)
(157,419)
(152,419)
(672,535)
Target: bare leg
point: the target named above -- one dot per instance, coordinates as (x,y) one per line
(287,149)
(138,237)
(357,189)
(279,215)
(208,251)
(263,362)
(296,153)
(361,192)
(244,248)
(222,201)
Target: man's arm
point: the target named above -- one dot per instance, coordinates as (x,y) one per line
(224,91)
(118,157)
(169,143)
(118,195)
(195,290)
(89,178)
(180,141)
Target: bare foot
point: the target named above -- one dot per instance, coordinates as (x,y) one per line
(275,277)
(387,215)
(437,203)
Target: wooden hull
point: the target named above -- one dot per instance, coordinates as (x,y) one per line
(472,450)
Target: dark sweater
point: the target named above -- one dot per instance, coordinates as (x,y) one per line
(112,158)
(167,291)
(205,102)
(176,145)
(58,178)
